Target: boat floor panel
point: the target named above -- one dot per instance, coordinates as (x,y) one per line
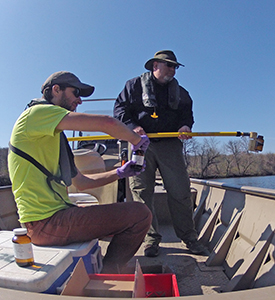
(193,276)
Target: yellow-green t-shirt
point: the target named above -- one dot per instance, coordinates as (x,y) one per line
(35,133)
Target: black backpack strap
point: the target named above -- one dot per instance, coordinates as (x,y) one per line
(31,159)
(49,175)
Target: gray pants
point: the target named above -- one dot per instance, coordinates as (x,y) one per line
(166,156)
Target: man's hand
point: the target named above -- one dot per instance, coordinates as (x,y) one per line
(144,143)
(185,128)
(139,130)
(126,170)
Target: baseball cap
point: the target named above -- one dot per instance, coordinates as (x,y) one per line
(66,78)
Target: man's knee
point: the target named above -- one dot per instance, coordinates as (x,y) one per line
(142,212)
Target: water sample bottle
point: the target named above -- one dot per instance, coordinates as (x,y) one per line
(22,246)
(259,143)
(138,158)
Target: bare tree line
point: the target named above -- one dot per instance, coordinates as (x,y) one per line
(4,177)
(207,159)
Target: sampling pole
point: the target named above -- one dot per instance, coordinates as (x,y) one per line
(255,144)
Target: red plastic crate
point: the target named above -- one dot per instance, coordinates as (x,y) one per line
(156,285)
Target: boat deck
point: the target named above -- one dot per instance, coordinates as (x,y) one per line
(193,277)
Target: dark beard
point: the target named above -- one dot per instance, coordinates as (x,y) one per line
(64,103)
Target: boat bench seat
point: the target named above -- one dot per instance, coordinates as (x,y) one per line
(91,162)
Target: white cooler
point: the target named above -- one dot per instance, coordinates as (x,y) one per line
(52,265)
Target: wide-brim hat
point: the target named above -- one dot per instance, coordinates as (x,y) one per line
(163,55)
(68,79)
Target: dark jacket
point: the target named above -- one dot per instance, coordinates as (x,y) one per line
(129,109)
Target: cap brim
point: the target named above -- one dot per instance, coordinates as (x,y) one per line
(86,90)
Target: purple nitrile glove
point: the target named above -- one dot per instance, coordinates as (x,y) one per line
(143,144)
(126,170)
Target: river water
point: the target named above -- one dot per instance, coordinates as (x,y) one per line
(267,182)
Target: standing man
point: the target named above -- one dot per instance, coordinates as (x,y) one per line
(155,102)
(38,142)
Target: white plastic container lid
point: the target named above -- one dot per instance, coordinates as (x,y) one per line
(20,231)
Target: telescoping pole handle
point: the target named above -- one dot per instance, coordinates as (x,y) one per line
(256,142)
(168,134)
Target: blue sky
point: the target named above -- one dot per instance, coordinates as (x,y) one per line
(227,47)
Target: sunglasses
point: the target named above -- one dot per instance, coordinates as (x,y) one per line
(76,92)
(171,65)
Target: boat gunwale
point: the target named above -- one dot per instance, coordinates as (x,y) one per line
(254,191)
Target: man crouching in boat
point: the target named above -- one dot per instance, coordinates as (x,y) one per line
(40,161)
